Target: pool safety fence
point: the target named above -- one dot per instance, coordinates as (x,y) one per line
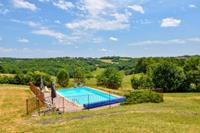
(59,103)
(99,101)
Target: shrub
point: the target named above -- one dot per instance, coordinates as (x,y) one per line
(143,96)
(110,78)
(7,80)
(63,78)
(141,81)
(25,79)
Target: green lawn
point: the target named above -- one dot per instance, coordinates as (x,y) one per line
(180,113)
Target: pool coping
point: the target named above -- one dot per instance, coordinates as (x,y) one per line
(79,105)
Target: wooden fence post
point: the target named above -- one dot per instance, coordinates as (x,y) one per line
(27,106)
(38,106)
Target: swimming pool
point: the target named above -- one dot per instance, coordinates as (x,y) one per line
(86,97)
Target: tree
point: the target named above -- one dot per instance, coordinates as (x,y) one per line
(63,78)
(142,81)
(2,70)
(193,79)
(192,71)
(79,75)
(47,79)
(168,76)
(110,78)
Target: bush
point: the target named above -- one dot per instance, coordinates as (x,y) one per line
(63,78)
(25,79)
(141,81)
(7,80)
(143,96)
(110,78)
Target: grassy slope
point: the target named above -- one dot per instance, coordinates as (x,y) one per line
(179,113)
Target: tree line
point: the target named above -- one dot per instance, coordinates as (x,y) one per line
(172,74)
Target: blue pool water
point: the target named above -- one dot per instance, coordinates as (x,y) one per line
(85,95)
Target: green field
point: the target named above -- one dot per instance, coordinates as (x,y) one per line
(179,113)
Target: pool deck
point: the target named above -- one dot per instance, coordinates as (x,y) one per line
(65,105)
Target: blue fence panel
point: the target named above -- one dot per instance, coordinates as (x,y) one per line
(103,103)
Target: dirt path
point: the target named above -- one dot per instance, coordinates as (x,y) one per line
(61,120)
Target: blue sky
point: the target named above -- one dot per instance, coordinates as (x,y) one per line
(95,28)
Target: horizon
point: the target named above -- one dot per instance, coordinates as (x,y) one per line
(99,57)
(95,29)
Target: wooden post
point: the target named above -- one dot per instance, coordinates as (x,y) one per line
(38,106)
(27,106)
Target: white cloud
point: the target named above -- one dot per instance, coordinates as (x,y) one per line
(170,22)
(167,42)
(24,4)
(195,39)
(32,24)
(1,39)
(97,24)
(26,52)
(137,8)
(95,7)
(29,23)
(6,50)
(44,0)
(73,38)
(192,6)
(39,29)
(101,15)
(23,40)
(103,50)
(46,32)
(122,17)
(97,40)
(113,39)
(64,5)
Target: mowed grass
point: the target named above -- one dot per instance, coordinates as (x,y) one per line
(180,113)
(12,106)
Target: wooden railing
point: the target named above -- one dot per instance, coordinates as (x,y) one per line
(37,92)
